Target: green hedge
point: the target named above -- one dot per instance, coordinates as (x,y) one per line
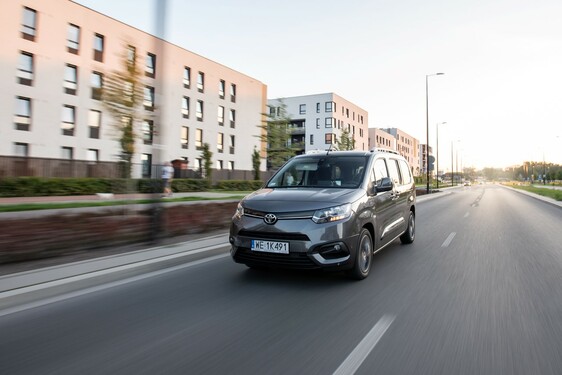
(35,186)
(239,185)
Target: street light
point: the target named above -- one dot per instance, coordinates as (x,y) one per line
(427,125)
(437,150)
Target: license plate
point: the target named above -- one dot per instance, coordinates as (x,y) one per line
(270,246)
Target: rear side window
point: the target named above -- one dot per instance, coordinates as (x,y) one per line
(394,172)
(405,171)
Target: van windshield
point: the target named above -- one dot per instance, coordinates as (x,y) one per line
(325,171)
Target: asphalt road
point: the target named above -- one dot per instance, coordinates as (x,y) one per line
(479,292)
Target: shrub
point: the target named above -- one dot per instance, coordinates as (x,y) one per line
(35,186)
(239,185)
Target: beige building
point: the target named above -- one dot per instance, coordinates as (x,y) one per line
(320,119)
(56,55)
(398,140)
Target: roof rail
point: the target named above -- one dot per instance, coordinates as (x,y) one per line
(376,149)
(316,151)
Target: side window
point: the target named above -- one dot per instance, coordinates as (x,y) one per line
(380,170)
(393,171)
(405,170)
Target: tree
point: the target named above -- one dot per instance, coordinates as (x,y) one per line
(122,95)
(207,156)
(346,141)
(276,135)
(256,161)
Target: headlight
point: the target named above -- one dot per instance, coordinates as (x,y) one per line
(239,211)
(327,215)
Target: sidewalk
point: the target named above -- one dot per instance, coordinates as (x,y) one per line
(108,197)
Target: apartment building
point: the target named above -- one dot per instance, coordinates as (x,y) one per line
(56,57)
(397,140)
(318,120)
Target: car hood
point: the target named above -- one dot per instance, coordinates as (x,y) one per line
(299,199)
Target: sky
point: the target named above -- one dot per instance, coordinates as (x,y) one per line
(500,96)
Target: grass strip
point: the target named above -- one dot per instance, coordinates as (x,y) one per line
(545,192)
(65,205)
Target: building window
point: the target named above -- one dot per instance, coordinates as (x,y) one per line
(98,47)
(94,123)
(70,79)
(317,123)
(67,153)
(219,164)
(22,118)
(220,143)
(92,155)
(186,77)
(317,107)
(233,93)
(184,137)
(220,115)
(148,98)
(25,69)
(97,85)
(329,138)
(131,55)
(29,24)
(231,165)
(312,139)
(150,70)
(328,122)
(201,81)
(147,131)
(21,149)
(185,107)
(302,109)
(233,118)
(329,106)
(68,120)
(199,110)
(198,138)
(73,39)
(146,160)
(232,139)
(222,88)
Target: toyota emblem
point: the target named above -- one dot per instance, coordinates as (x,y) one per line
(270,219)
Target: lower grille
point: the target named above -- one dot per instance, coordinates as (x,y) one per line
(274,235)
(291,260)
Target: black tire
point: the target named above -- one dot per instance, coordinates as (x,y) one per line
(364,256)
(410,233)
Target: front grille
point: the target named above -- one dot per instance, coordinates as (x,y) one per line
(280,215)
(291,260)
(274,235)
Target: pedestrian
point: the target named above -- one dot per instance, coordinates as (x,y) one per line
(167,177)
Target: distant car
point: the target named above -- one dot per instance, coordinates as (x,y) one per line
(329,210)
(467,183)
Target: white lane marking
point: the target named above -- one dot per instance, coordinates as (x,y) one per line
(466,215)
(113,284)
(449,240)
(361,351)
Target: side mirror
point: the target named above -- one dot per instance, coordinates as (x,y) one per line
(386,184)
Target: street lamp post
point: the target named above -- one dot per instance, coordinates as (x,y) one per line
(437,151)
(452,167)
(427,126)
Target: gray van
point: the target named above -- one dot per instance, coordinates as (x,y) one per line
(330,210)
